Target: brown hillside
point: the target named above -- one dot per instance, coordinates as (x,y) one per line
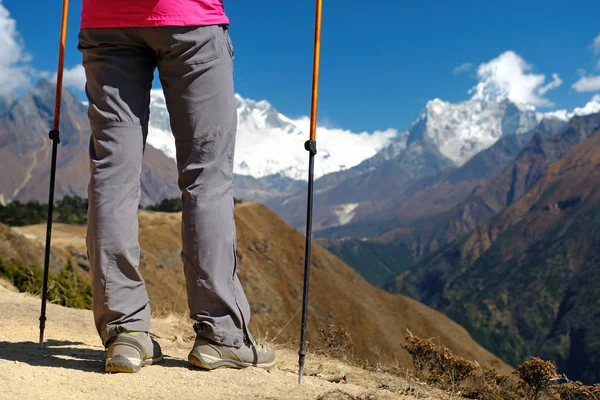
(271,262)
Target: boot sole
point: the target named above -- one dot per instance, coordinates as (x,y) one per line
(209,362)
(124,365)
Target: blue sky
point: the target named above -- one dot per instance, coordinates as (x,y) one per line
(382,60)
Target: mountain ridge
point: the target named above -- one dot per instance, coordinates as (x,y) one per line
(444,137)
(524,282)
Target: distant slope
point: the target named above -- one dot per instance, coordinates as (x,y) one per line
(261,190)
(455,203)
(496,194)
(25,151)
(426,214)
(270,255)
(443,137)
(528,281)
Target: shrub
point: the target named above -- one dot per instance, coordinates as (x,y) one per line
(339,341)
(68,210)
(167,205)
(64,288)
(437,364)
(174,205)
(536,376)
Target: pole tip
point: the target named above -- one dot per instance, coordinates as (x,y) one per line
(301,375)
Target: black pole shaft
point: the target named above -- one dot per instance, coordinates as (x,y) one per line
(54,135)
(311,146)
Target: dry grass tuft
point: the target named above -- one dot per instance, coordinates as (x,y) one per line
(341,395)
(577,391)
(488,384)
(535,379)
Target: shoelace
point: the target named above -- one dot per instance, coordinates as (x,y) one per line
(258,346)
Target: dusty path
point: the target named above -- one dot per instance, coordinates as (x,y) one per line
(71,365)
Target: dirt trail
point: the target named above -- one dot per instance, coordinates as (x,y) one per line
(71,365)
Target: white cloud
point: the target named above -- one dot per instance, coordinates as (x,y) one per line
(596,44)
(592,107)
(556,82)
(342,148)
(462,68)
(587,84)
(14,70)
(74,77)
(509,75)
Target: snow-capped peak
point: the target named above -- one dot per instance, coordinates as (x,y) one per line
(262,115)
(270,143)
(461,130)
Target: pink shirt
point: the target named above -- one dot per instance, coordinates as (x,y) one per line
(144,13)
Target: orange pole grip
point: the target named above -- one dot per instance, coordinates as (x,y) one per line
(316,61)
(61,64)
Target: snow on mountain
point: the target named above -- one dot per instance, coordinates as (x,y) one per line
(459,130)
(464,129)
(159,129)
(270,143)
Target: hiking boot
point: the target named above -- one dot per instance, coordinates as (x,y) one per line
(130,350)
(210,355)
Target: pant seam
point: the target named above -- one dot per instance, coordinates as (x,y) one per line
(108,264)
(107,329)
(206,137)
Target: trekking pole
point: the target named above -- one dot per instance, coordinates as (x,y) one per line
(311,146)
(55,137)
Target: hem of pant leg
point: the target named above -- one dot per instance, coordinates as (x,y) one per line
(221,337)
(114,330)
(215,334)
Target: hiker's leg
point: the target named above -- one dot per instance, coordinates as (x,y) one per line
(196,71)
(119,72)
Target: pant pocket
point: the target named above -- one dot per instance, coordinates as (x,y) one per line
(229,43)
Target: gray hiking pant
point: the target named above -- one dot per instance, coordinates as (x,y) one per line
(196,71)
